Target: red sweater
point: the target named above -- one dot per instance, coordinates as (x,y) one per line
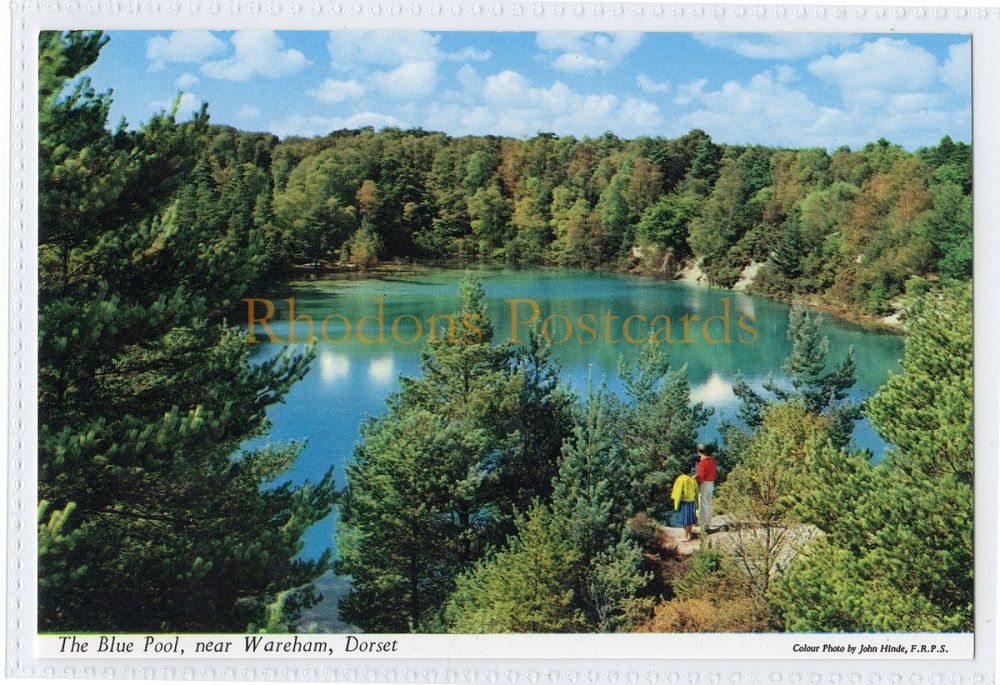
(706,470)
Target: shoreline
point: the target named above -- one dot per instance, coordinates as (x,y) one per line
(689,274)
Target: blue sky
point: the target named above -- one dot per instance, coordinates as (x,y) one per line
(786,89)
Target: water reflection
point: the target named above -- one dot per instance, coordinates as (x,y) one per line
(350,380)
(715,392)
(333,366)
(381,370)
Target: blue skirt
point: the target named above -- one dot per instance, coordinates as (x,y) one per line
(685,516)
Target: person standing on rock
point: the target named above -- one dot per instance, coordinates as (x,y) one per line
(705,476)
(684,494)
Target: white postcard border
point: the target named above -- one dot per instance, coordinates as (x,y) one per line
(28,17)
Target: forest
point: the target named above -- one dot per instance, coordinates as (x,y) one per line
(846,228)
(488,497)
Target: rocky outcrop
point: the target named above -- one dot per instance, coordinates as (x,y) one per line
(747,276)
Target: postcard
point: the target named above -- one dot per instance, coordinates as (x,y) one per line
(421,340)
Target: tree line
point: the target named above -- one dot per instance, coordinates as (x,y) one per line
(845,228)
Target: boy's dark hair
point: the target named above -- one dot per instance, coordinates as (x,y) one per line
(706,448)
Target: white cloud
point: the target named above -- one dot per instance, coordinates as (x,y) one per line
(574,61)
(303,125)
(511,105)
(785,74)
(911,102)
(248,112)
(767,109)
(468,78)
(185,81)
(188,104)
(587,51)
(650,86)
(349,49)
(752,112)
(182,46)
(333,90)
(777,45)
(413,79)
(642,114)
(468,55)
(878,69)
(406,62)
(957,68)
(689,92)
(257,53)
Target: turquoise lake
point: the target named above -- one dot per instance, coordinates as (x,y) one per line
(351,379)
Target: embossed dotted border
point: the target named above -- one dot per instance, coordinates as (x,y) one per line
(477,15)
(28,16)
(19,497)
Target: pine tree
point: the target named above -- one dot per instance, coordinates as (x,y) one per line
(405,525)
(618,232)
(462,373)
(706,159)
(615,578)
(421,503)
(539,418)
(591,502)
(588,498)
(788,254)
(900,556)
(659,427)
(160,521)
(521,588)
(821,391)
(763,491)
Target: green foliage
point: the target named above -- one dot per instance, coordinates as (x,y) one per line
(439,478)
(899,557)
(591,503)
(486,498)
(763,490)
(666,223)
(363,247)
(588,496)
(660,427)
(489,215)
(160,520)
(720,232)
(310,209)
(539,417)
(406,518)
(615,579)
(848,228)
(521,588)
(820,391)
(704,575)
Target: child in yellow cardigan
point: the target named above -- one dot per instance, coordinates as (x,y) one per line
(685,495)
